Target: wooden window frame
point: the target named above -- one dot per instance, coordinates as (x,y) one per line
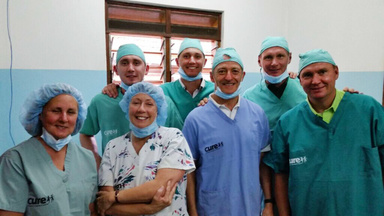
(161,21)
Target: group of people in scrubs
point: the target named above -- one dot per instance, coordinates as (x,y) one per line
(285,147)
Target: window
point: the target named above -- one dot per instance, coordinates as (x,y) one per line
(158,31)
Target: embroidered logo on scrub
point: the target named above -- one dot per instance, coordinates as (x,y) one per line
(40,201)
(214,147)
(297,161)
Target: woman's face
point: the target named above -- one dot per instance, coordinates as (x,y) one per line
(142,110)
(59,116)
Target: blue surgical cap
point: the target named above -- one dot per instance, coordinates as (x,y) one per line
(225,55)
(274,42)
(190,43)
(129,49)
(314,56)
(34,104)
(155,92)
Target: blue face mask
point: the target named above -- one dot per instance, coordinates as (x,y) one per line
(124,86)
(143,132)
(188,78)
(225,96)
(57,145)
(275,79)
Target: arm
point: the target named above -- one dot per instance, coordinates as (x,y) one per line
(191,194)
(142,193)
(161,200)
(265,180)
(9,213)
(89,142)
(281,194)
(111,90)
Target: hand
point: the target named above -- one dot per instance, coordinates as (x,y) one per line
(203,102)
(111,90)
(105,199)
(350,90)
(163,198)
(268,210)
(292,75)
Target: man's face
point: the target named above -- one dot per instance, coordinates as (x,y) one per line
(228,76)
(274,60)
(192,61)
(318,81)
(131,69)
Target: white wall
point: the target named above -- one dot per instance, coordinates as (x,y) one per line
(64,41)
(351,30)
(52,34)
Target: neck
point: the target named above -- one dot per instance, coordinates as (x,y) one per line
(320,105)
(229,103)
(191,86)
(138,143)
(57,157)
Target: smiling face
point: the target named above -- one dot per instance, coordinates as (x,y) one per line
(59,116)
(274,60)
(192,61)
(228,76)
(131,69)
(142,110)
(318,81)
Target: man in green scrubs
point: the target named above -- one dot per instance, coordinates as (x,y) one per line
(328,152)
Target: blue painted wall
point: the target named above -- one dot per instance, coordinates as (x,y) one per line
(90,83)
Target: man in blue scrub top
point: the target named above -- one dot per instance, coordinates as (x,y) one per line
(328,152)
(226,137)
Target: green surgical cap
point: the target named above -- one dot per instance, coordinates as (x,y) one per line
(274,42)
(225,55)
(190,43)
(129,49)
(314,56)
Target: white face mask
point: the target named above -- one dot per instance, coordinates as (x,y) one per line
(275,79)
(57,145)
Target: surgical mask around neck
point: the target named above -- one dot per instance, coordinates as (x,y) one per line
(143,132)
(225,96)
(188,78)
(57,145)
(275,79)
(124,86)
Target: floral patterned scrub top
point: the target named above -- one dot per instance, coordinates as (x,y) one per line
(123,168)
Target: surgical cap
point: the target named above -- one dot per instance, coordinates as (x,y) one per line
(274,42)
(155,92)
(190,43)
(34,104)
(129,49)
(225,55)
(314,56)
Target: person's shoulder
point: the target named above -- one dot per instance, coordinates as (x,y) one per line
(361,100)
(198,113)
(20,149)
(102,97)
(250,103)
(295,111)
(169,84)
(252,91)
(81,150)
(209,84)
(169,131)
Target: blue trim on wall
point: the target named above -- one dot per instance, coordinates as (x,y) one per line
(90,83)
